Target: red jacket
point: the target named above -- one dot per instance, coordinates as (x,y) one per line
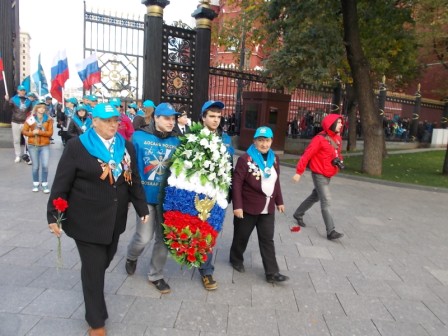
(320,152)
(125,128)
(247,193)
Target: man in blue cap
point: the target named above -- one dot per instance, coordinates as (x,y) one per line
(211,114)
(20,106)
(154,145)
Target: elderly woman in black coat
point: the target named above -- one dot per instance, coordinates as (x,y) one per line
(97,176)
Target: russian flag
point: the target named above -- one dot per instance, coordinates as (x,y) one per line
(59,75)
(2,68)
(89,72)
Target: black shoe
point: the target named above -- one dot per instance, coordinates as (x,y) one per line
(240,268)
(161,286)
(277,277)
(130,266)
(334,235)
(300,221)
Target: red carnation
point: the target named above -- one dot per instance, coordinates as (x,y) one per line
(191,258)
(60,204)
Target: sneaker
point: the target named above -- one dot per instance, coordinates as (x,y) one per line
(17,160)
(209,282)
(35,186)
(277,277)
(45,188)
(334,235)
(130,266)
(161,286)
(29,162)
(300,221)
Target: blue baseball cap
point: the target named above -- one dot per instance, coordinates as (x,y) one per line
(83,107)
(115,101)
(105,111)
(92,98)
(21,88)
(72,100)
(134,106)
(42,102)
(31,94)
(264,132)
(165,109)
(212,103)
(149,103)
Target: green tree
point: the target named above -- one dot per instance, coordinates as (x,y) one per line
(308,42)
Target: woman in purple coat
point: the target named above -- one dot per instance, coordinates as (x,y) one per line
(255,194)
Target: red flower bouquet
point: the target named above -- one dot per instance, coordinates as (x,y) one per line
(188,238)
(60,205)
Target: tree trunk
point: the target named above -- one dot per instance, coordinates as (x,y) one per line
(351,114)
(372,130)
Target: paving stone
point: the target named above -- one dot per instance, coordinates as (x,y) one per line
(341,253)
(318,252)
(413,292)
(318,304)
(13,299)
(341,268)
(202,316)
(441,292)
(172,332)
(138,285)
(409,311)
(374,288)
(379,272)
(331,284)
(154,313)
(53,326)
(363,307)
(389,328)
(16,324)
(57,279)
(439,309)
(293,324)
(300,281)
(280,297)
(343,326)
(416,275)
(252,321)
(7,237)
(435,329)
(56,303)
(231,294)
(19,275)
(23,256)
(441,275)
(304,265)
(182,289)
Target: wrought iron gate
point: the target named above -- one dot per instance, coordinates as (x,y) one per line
(178,60)
(118,43)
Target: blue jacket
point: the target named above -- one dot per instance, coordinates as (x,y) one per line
(154,151)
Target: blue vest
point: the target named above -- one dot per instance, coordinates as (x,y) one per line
(153,161)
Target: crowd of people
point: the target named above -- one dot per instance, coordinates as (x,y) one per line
(115,156)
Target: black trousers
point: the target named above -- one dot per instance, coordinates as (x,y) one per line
(242,229)
(95,259)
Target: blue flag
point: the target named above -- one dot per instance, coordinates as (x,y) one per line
(27,83)
(40,80)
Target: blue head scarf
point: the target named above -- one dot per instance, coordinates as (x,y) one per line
(92,142)
(257,157)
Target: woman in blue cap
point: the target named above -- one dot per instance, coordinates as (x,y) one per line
(80,122)
(98,177)
(256,193)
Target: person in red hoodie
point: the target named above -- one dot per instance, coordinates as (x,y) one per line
(324,159)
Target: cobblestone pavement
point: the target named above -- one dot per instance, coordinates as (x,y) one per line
(388,276)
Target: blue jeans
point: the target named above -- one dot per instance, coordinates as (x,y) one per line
(40,155)
(207,268)
(321,192)
(143,235)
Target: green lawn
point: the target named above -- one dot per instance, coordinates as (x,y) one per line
(424,168)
